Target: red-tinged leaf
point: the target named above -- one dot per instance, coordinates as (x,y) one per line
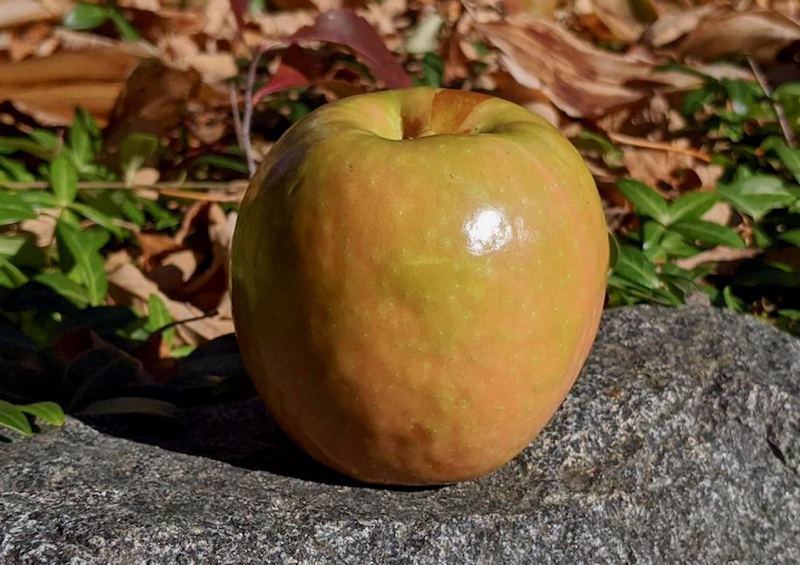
(346,28)
(284,77)
(239,8)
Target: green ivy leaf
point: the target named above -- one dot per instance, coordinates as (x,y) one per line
(64,286)
(732,302)
(159,317)
(691,206)
(757,194)
(86,16)
(14,209)
(613,250)
(789,156)
(131,211)
(63,179)
(80,142)
(10,145)
(709,233)
(791,236)
(652,232)
(46,139)
(634,266)
(589,140)
(87,260)
(39,198)
(134,151)
(126,31)
(16,170)
(50,412)
(646,201)
(97,217)
(12,417)
(10,245)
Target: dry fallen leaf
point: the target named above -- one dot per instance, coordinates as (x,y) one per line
(580,79)
(16,13)
(153,101)
(671,27)
(625,19)
(711,34)
(717,255)
(129,286)
(50,88)
(655,167)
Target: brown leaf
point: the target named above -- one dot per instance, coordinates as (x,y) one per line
(671,27)
(16,13)
(50,88)
(625,19)
(537,8)
(711,34)
(32,41)
(717,255)
(154,247)
(153,101)
(43,227)
(580,79)
(129,286)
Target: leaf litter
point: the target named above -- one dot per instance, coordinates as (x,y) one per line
(612,74)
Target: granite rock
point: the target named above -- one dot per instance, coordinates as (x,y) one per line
(680,443)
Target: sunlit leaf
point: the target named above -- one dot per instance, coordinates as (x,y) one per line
(691,206)
(97,217)
(757,194)
(789,156)
(634,266)
(126,31)
(80,142)
(86,16)
(50,412)
(88,261)
(709,233)
(12,276)
(46,138)
(12,417)
(652,233)
(66,287)
(14,209)
(63,179)
(158,317)
(646,201)
(16,170)
(10,145)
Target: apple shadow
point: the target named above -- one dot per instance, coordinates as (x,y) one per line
(240,433)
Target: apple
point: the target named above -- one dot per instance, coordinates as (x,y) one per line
(417,278)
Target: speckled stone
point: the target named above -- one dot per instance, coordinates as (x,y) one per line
(679,444)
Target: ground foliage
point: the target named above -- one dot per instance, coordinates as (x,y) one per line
(128,129)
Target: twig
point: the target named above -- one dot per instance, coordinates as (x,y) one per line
(647,144)
(247,118)
(174,187)
(201,196)
(764,84)
(237,117)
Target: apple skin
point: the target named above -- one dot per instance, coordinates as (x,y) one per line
(417,279)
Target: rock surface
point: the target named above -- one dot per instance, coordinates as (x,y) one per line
(680,443)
